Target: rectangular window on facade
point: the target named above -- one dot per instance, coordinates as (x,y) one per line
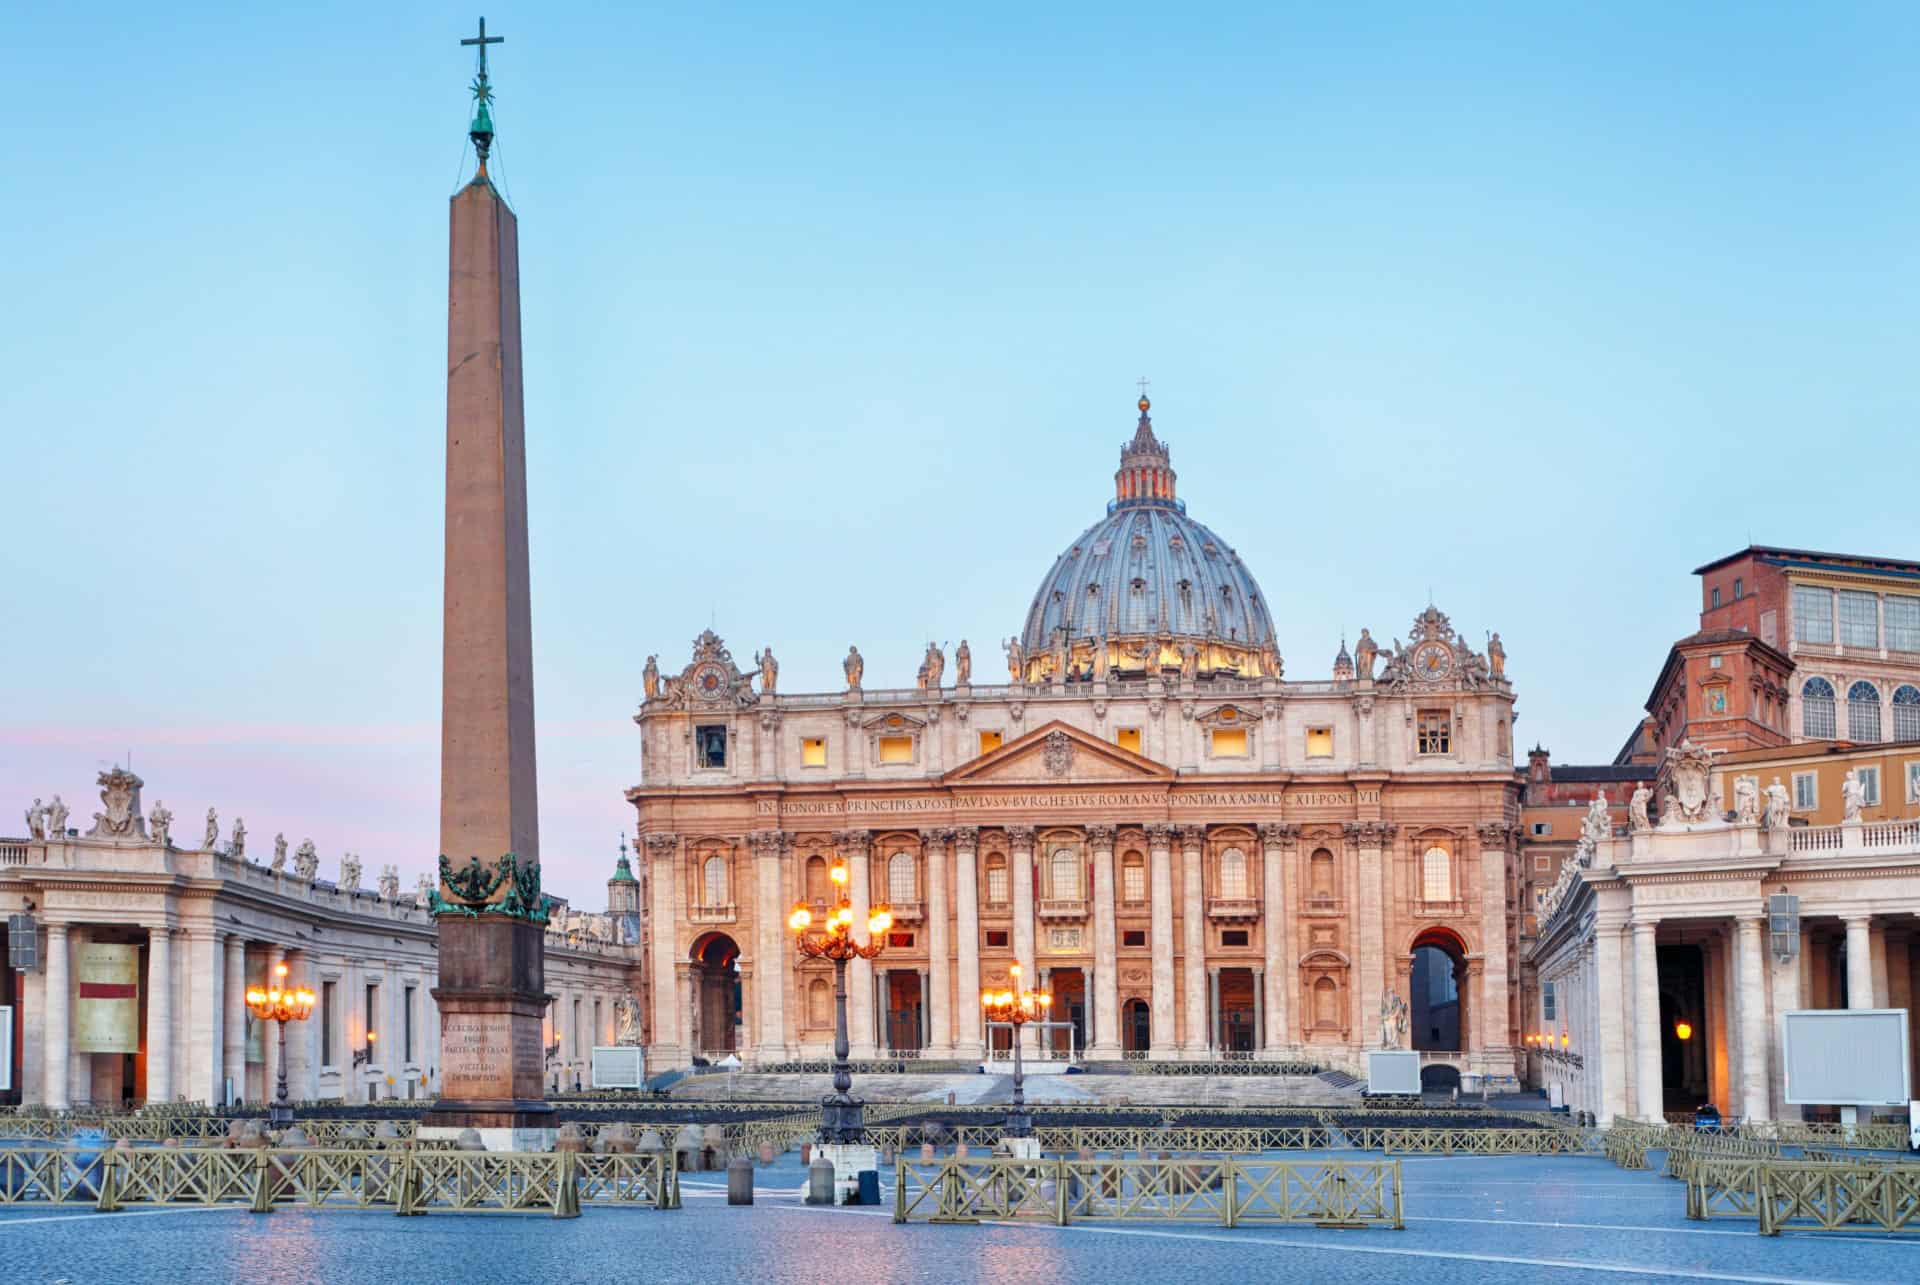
(896,749)
(1543,827)
(1869,784)
(407,1051)
(1546,1001)
(1713,662)
(329,1022)
(710,744)
(1436,731)
(1134,937)
(1859,619)
(1716,595)
(1128,738)
(990,741)
(576,1029)
(1806,791)
(1319,742)
(1903,623)
(1233,937)
(1229,742)
(996,936)
(903,941)
(370,1022)
(813,751)
(996,884)
(1737,588)
(1812,614)
(596,1022)
(1133,883)
(1542,863)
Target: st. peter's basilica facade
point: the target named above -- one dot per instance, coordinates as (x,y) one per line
(1200,859)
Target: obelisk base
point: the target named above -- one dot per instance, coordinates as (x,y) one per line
(492,1053)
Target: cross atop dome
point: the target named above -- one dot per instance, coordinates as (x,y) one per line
(1146,474)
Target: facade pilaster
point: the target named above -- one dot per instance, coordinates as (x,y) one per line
(663,852)
(1497,1026)
(159,1014)
(1754,1092)
(966,894)
(1020,842)
(1650,1093)
(936,983)
(1194,940)
(1160,855)
(1277,840)
(770,849)
(1106,948)
(57,1039)
(1369,838)
(856,847)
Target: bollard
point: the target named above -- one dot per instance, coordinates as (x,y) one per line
(740,1180)
(766,1153)
(959,1151)
(926,1152)
(820,1181)
(806,1154)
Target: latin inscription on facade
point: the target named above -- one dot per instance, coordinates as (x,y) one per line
(1064,800)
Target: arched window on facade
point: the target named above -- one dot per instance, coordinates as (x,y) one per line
(1133,879)
(713,881)
(1436,874)
(1064,874)
(900,881)
(1326,1004)
(1817,721)
(1233,874)
(996,880)
(819,885)
(1863,712)
(819,1003)
(1320,878)
(1906,713)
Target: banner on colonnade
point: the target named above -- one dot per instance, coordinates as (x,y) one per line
(106,1000)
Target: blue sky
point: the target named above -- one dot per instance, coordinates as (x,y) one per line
(832,316)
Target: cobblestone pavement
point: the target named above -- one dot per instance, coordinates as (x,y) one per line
(1470,1219)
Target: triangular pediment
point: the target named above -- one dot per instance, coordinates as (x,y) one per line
(1056,752)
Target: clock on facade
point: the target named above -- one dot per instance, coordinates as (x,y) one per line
(709,680)
(1432,660)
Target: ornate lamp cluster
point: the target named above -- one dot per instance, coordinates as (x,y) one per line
(842,1117)
(280,1003)
(1016,1007)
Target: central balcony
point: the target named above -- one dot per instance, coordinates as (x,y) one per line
(1233,909)
(711,914)
(1062,908)
(905,912)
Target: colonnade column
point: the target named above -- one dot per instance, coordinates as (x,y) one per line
(1159,841)
(1756,1103)
(1860,962)
(662,851)
(855,848)
(966,892)
(55,1038)
(234,1009)
(1106,948)
(270,1033)
(1276,926)
(159,1014)
(1020,840)
(1649,1090)
(938,983)
(1606,985)
(300,1035)
(1194,940)
(770,852)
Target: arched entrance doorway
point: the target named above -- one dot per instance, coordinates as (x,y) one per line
(1435,1019)
(715,974)
(1136,1026)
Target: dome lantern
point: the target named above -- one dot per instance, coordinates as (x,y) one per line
(1146,472)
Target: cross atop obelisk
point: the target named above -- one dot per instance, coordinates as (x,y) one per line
(481,132)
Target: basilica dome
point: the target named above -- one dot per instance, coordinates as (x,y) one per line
(1147,589)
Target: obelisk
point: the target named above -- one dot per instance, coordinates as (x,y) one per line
(489,911)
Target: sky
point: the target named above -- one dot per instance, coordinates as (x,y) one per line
(832,319)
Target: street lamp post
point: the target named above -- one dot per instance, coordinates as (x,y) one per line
(842,1116)
(280,1003)
(1016,1008)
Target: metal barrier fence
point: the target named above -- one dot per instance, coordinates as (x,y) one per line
(1226,1192)
(406,1180)
(1831,1197)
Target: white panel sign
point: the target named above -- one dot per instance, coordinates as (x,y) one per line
(619,1066)
(6,1048)
(1845,1056)
(1393,1071)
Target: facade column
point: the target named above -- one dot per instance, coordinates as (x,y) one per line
(1650,1093)
(234,1008)
(55,1039)
(1474,993)
(1369,838)
(1020,840)
(1755,1104)
(936,984)
(1194,939)
(771,850)
(1106,949)
(206,973)
(300,1084)
(1276,927)
(968,1045)
(159,1014)
(270,1035)
(1496,1023)
(1216,1035)
(663,851)
(1606,994)
(1159,847)
(1860,962)
(856,846)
